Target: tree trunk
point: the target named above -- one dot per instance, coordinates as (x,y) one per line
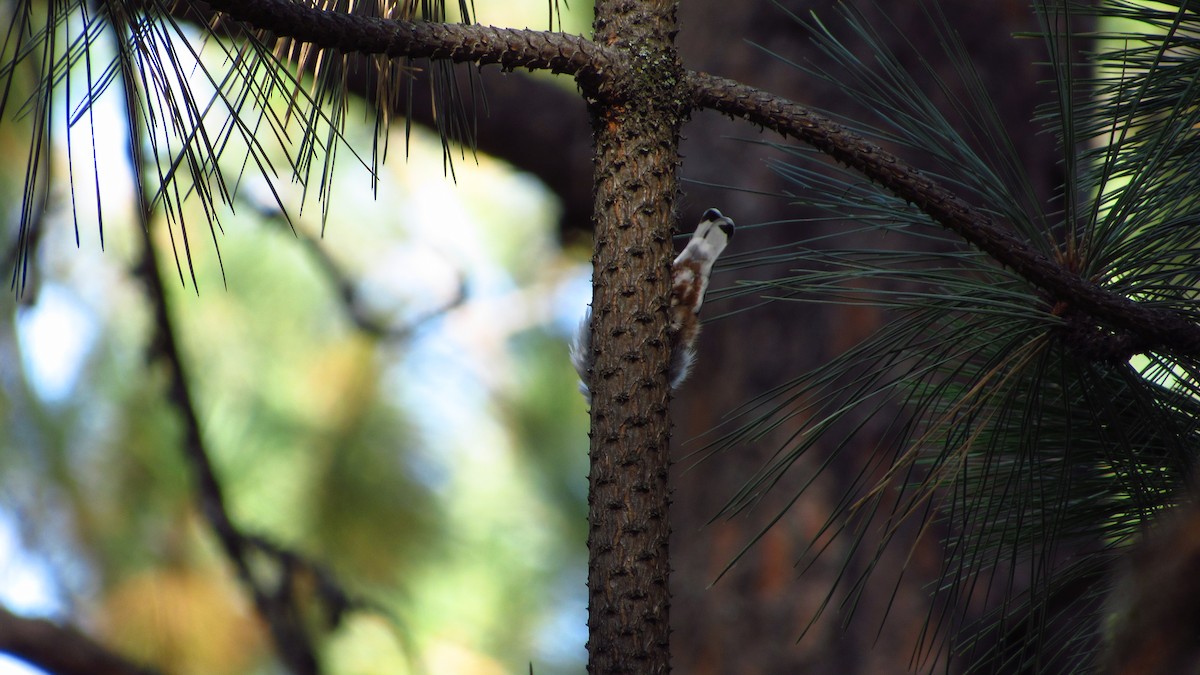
(636,125)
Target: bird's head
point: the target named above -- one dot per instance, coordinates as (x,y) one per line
(716,230)
(712,235)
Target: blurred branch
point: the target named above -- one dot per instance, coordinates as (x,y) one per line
(277,609)
(1155,327)
(279,605)
(347,290)
(25,276)
(296,568)
(522,112)
(29,232)
(60,649)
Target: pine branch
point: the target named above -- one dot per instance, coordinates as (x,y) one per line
(60,649)
(1153,328)
(484,45)
(1157,328)
(522,112)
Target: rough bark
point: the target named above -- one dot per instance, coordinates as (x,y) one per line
(636,129)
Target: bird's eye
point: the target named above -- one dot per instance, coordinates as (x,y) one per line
(727,227)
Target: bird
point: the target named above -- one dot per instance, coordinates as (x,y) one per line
(690,273)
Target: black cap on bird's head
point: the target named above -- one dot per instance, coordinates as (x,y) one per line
(722,221)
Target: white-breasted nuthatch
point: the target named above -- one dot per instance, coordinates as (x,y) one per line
(689,282)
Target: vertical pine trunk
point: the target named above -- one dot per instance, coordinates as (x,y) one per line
(636,123)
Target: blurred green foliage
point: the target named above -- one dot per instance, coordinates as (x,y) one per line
(460,514)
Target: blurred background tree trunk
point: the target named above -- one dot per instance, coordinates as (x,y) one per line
(750,621)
